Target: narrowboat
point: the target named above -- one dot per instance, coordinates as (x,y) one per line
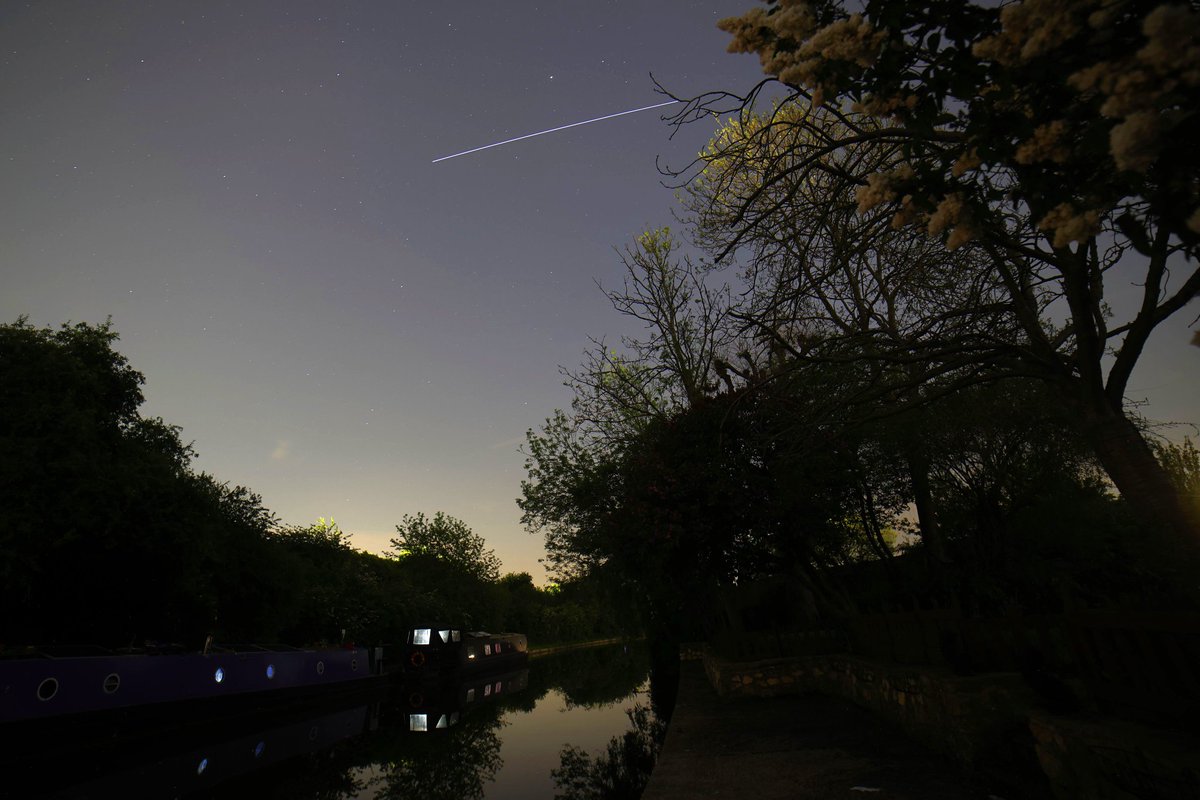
(433,651)
(50,683)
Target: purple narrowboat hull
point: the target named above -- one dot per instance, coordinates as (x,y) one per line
(45,687)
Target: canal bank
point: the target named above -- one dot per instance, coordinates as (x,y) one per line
(804,745)
(555,649)
(827,721)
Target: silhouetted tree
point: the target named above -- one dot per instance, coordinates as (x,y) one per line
(110,536)
(446,539)
(1027,137)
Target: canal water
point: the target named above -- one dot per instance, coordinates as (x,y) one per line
(563,726)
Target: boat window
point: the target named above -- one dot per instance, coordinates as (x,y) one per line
(442,722)
(487,649)
(456,636)
(219,675)
(320,667)
(258,749)
(112,683)
(47,689)
(421,635)
(418,722)
(203,765)
(445,635)
(487,690)
(470,695)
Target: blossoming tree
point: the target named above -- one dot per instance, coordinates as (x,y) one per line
(1050,141)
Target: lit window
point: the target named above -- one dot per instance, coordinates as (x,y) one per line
(470,695)
(487,649)
(203,765)
(219,676)
(445,636)
(270,672)
(456,636)
(418,722)
(258,749)
(453,717)
(487,690)
(442,722)
(499,686)
(421,635)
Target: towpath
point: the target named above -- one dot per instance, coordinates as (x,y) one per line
(800,746)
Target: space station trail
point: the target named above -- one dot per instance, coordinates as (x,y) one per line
(555,130)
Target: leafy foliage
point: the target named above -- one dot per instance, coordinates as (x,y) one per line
(446,539)
(102,503)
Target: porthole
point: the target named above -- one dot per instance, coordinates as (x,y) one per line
(320,667)
(219,675)
(47,689)
(354,665)
(112,683)
(270,672)
(203,765)
(313,733)
(258,749)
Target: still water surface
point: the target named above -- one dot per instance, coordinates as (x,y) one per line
(499,736)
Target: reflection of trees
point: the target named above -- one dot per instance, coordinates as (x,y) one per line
(621,771)
(391,762)
(457,765)
(592,677)
(325,775)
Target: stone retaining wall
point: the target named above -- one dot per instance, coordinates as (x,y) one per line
(958,716)
(989,723)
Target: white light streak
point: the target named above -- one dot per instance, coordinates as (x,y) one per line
(553,130)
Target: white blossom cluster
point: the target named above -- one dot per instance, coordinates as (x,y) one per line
(793,48)
(1146,93)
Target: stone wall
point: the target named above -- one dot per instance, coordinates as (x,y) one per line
(989,723)
(962,717)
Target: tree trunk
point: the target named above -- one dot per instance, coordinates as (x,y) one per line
(931,532)
(1173,530)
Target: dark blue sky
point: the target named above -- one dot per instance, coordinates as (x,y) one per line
(336,322)
(339,324)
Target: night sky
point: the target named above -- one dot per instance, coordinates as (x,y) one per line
(336,322)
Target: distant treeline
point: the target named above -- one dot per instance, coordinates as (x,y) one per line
(111,537)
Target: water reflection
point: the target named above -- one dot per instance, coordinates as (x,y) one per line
(621,770)
(559,726)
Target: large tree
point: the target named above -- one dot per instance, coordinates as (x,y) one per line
(1049,144)
(109,534)
(449,540)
